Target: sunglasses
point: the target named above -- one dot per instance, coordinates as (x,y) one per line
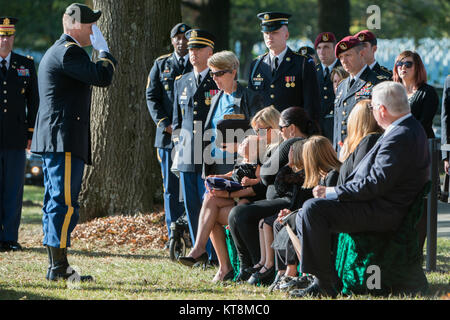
(371,106)
(407,64)
(282,127)
(219,73)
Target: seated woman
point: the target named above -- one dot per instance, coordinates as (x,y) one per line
(243,219)
(217,204)
(286,182)
(321,167)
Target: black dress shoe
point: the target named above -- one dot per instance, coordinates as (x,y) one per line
(313,290)
(229,276)
(61,270)
(190,261)
(12,246)
(243,275)
(265,277)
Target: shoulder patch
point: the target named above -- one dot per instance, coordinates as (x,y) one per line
(70,44)
(380,77)
(262,55)
(179,77)
(386,69)
(30,57)
(163,56)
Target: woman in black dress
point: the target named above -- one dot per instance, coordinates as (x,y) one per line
(423,99)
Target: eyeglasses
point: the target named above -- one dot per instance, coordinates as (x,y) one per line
(407,64)
(371,106)
(219,73)
(282,127)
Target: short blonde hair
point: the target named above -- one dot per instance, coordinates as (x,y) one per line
(224,60)
(319,157)
(361,122)
(269,117)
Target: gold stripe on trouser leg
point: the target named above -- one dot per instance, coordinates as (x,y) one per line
(67,198)
(162,172)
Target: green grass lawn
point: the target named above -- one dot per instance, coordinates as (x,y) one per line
(124,272)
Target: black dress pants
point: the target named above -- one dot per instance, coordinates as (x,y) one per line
(243,221)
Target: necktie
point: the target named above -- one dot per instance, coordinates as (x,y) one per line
(199,80)
(3,67)
(181,61)
(275,66)
(352,82)
(326,73)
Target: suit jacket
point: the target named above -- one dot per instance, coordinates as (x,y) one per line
(346,99)
(393,172)
(294,83)
(190,109)
(19,102)
(246,102)
(326,117)
(445,112)
(159,94)
(66,74)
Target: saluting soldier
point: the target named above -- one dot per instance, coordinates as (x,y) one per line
(357,86)
(19,101)
(324,45)
(284,78)
(369,40)
(193,92)
(160,99)
(62,131)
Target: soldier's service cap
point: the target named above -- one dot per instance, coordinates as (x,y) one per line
(82,13)
(307,51)
(198,38)
(324,37)
(271,21)
(7,26)
(345,44)
(180,28)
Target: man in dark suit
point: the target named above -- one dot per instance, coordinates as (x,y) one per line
(375,196)
(369,40)
(62,131)
(284,78)
(324,45)
(356,87)
(193,92)
(160,98)
(19,101)
(445,122)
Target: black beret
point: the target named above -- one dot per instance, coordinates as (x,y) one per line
(179,28)
(82,13)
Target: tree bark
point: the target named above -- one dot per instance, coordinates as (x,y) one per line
(125,177)
(334,16)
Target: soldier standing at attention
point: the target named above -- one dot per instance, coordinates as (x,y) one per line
(19,101)
(160,99)
(193,92)
(357,86)
(283,77)
(62,131)
(324,45)
(370,43)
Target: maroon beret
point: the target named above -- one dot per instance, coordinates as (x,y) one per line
(346,44)
(365,35)
(324,37)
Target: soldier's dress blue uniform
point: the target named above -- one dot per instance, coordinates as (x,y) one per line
(326,101)
(62,131)
(191,107)
(346,99)
(382,71)
(160,101)
(19,101)
(293,83)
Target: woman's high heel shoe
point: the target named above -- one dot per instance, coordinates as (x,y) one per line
(190,261)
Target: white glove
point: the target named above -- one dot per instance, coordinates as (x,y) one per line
(97,40)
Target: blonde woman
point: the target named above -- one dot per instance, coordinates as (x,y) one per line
(363,133)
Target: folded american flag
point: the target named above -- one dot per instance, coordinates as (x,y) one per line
(223,184)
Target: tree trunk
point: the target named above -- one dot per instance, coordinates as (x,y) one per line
(125,177)
(334,16)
